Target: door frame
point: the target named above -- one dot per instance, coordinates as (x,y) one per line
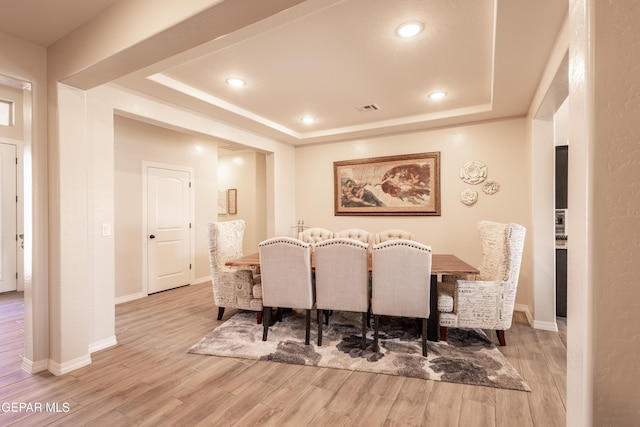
(144,238)
(20,215)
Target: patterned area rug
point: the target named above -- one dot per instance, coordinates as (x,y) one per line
(468,356)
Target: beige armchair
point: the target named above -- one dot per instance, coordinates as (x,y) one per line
(401,280)
(486,303)
(314,235)
(356,234)
(285,267)
(232,287)
(342,280)
(391,234)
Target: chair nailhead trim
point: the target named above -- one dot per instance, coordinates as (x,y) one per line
(288,241)
(399,243)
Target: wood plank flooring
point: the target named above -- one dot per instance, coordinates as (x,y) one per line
(149,380)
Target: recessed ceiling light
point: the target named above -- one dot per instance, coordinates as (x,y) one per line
(235,82)
(410,29)
(308,120)
(437,95)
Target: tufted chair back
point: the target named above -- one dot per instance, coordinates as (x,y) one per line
(357,234)
(393,234)
(314,235)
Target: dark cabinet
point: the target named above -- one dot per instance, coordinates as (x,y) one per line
(561,282)
(562,175)
(562,169)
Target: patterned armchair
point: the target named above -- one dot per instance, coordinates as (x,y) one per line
(486,303)
(232,286)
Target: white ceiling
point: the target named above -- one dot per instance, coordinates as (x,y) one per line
(327,58)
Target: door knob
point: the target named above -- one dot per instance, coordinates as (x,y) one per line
(151,236)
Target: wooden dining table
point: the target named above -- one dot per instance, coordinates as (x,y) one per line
(441,264)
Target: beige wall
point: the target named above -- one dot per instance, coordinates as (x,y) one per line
(24,62)
(245,171)
(136,142)
(613,153)
(77,166)
(501,145)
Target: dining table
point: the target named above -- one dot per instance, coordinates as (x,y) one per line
(441,265)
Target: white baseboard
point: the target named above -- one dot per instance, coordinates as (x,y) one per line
(546,326)
(66,367)
(32,367)
(202,280)
(536,324)
(102,344)
(130,297)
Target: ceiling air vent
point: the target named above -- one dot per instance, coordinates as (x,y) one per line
(367,108)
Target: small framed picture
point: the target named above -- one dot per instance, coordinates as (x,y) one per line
(232,201)
(222,202)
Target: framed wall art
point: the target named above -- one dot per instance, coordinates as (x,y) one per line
(222,202)
(393,185)
(232,201)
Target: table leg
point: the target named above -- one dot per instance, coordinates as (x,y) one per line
(433,325)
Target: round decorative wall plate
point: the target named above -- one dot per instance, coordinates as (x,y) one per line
(473,172)
(469,197)
(490,187)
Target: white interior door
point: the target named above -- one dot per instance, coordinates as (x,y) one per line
(168,228)
(8,204)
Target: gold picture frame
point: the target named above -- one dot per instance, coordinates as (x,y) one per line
(232,201)
(392,185)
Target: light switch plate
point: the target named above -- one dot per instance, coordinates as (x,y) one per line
(106,230)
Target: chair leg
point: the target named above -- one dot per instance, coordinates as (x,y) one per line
(220,312)
(424,337)
(259,317)
(363,342)
(443,333)
(500,334)
(376,320)
(308,328)
(266,322)
(320,312)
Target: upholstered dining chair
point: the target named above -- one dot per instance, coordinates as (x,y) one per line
(356,234)
(391,234)
(314,235)
(486,303)
(233,287)
(342,280)
(285,267)
(400,285)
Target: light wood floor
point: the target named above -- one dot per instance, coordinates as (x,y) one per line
(149,380)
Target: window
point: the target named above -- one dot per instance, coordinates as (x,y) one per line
(6,110)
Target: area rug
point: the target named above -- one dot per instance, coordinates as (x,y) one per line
(468,356)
